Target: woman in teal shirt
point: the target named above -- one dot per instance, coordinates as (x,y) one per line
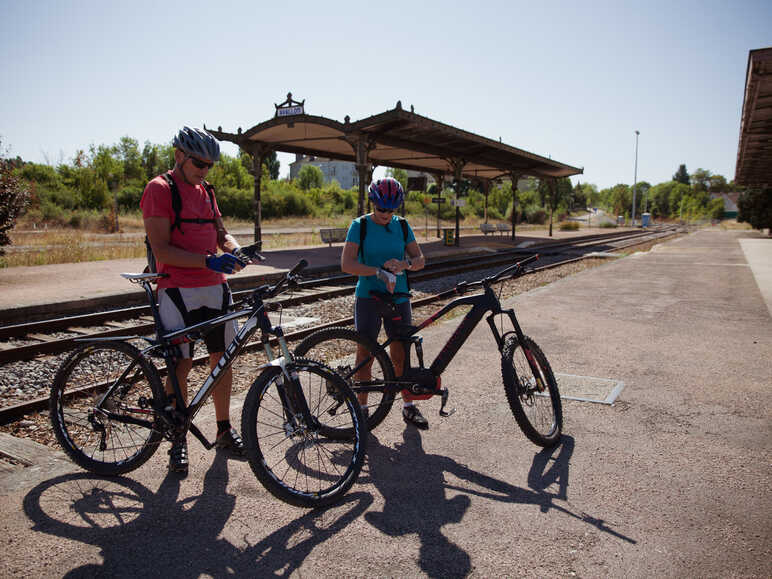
(386,254)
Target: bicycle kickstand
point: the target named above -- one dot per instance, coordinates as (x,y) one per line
(443,413)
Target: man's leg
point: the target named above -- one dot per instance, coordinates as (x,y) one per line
(222,394)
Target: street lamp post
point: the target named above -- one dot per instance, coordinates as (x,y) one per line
(635,177)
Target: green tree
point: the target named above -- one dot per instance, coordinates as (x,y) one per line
(718,184)
(310,176)
(398,174)
(755,207)
(272,162)
(14,197)
(127,151)
(659,199)
(556,196)
(156,159)
(682,175)
(105,163)
(700,179)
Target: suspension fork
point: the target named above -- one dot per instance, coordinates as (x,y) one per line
(535,370)
(293,400)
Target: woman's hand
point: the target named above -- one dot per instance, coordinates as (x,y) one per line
(396,266)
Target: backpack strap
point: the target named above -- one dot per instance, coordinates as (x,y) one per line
(362,234)
(177,203)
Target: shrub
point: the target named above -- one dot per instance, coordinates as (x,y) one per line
(568,225)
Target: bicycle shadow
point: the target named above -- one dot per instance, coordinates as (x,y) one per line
(415,487)
(142,533)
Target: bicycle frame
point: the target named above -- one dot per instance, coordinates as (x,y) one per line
(168,343)
(481,304)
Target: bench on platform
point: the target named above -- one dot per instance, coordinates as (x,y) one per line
(487,228)
(503,228)
(334,235)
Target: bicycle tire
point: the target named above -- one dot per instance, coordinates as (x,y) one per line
(92,440)
(538,414)
(336,347)
(299,464)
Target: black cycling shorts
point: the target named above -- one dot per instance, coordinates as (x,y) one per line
(367,318)
(182,307)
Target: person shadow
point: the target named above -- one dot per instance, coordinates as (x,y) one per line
(145,534)
(415,488)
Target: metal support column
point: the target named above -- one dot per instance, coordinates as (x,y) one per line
(515,176)
(458,167)
(361,146)
(258,153)
(439,179)
(551,183)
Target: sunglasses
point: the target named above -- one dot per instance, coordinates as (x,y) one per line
(201,164)
(382,210)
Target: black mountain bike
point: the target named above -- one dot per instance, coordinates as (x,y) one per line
(109,410)
(529,384)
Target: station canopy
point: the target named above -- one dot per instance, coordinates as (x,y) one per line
(754,153)
(396,138)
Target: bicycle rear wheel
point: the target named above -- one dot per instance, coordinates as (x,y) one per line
(533,398)
(115,435)
(306,465)
(337,348)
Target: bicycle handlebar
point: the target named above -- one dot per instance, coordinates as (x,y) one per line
(269,291)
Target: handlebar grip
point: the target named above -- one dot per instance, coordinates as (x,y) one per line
(301,265)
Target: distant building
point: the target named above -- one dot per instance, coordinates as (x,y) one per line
(344,172)
(730,203)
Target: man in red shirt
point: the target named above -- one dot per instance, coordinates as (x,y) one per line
(185,247)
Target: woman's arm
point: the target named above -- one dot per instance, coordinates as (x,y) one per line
(350,264)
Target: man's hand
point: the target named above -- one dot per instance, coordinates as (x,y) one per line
(225,263)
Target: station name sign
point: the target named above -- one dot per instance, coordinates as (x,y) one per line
(289,111)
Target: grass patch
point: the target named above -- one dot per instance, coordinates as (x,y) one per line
(568,226)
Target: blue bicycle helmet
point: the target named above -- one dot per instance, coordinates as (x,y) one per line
(386,193)
(199,143)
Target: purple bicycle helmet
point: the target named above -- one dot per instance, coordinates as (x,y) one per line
(386,193)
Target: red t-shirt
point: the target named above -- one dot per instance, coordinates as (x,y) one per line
(198,238)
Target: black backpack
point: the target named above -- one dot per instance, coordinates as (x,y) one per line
(177,208)
(363,233)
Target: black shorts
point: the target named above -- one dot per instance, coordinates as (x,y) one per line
(367,318)
(182,307)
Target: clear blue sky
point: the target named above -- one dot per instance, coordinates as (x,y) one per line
(570,80)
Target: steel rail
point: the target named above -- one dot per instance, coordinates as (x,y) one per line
(14,412)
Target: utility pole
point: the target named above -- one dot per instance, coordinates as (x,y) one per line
(635,177)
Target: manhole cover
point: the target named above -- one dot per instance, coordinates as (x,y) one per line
(588,388)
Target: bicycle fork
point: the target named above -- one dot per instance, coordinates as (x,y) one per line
(535,369)
(297,414)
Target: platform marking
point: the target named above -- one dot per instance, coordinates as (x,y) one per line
(589,388)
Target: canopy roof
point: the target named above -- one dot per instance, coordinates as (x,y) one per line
(396,138)
(754,153)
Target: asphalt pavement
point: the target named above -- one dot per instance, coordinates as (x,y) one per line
(672,480)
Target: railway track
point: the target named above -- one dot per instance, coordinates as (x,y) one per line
(27,340)
(315,291)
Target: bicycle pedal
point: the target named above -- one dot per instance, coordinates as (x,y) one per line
(443,412)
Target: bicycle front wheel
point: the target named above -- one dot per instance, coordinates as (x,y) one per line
(533,397)
(303,460)
(337,348)
(101,407)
